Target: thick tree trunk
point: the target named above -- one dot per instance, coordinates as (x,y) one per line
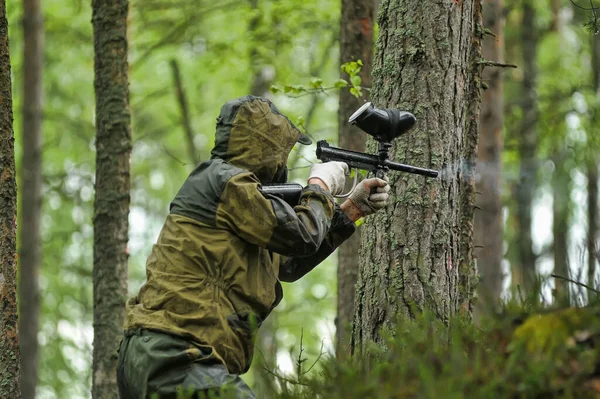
(356,43)
(418,254)
(111,203)
(31,198)
(592,174)
(489,226)
(524,273)
(9,335)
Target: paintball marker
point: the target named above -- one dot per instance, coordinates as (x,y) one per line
(384,125)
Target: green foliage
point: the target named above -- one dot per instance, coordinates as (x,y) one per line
(425,358)
(315,86)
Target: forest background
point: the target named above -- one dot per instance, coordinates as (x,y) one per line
(227,49)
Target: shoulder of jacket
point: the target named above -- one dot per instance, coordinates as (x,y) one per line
(230,174)
(200,194)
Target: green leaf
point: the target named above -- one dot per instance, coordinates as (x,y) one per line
(298,89)
(316,83)
(346,67)
(340,83)
(356,80)
(352,68)
(356,92)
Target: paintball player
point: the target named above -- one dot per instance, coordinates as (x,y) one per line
(214,274)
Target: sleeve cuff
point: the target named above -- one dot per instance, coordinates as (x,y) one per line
(341,225)
(314,191)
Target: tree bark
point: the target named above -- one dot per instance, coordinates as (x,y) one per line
(356,43)
(489,226)
(524,273)
(9,336)
(418,253)
(31,198)
(111,203)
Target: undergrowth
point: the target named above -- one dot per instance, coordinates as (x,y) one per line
(527,350)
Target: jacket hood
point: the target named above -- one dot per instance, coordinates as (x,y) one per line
(252,134)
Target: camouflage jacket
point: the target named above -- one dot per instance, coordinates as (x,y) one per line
(214,273)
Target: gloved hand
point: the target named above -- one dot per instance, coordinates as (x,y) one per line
(333,174)
(367,201)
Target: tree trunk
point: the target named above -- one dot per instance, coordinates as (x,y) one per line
(261,78)
(31,198)
(561,192)
(555,6)
(418,254)
(592,173)
(186,122)
(356,42)
(561,199)
(524,273)
(592,234)
(9,336)
(489,226)
(266,340)
(111,203)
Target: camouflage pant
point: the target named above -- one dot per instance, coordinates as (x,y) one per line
(158,365)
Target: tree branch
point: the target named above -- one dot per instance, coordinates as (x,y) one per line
(576,283)
(185,115)
(496,64)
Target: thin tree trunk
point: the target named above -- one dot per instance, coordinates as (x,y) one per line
(489,227)
(524,273)
(185,114)
(356,43)
(561,192)
(561,203)
(592,173)
(261,81)
(266,358)
(9,332)
(266,340)
(31,198)
(592,234)
(111,203)
(418,254)
(555,6)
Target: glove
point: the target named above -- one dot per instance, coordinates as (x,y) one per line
(333,174)
(367,201)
